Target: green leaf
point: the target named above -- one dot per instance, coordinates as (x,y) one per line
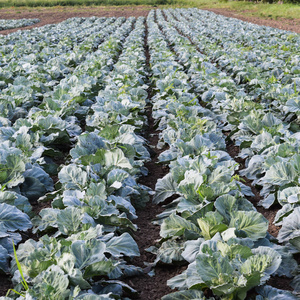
(199,213)
(116,176)
(69,220)
(4,259)
(280,173)
(231,251)
(73,177)
(295,242)
(188,295)
(12,219)
(32,188)
(116,220)
(265,260)
(88,252)
(214,268)
(191,249)
(88,296)
(13,169)
(180,281)
(295,284)
(164,188)
(117,158)
(289,195)
(269,292)
(170,251)
(227,204)
(50,284)
(176,226)
(254,224)
(211,224)
(97,189)
(220,175)
(290,226)
(123,244)
(101,268)
(93,159)
(189,186)
(48,219)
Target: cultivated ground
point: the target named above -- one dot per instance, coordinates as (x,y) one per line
(58,14)
(155,287)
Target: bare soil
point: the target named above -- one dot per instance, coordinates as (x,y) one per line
(155,287)
(5,284)
(150,287)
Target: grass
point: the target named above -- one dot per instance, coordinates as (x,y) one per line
(285,10)
(262,10)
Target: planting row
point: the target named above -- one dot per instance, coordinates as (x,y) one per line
(266,130)
(10,24)
(50,70)
(210,223)
(85,241)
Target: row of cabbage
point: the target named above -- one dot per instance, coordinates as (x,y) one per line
(264,123)
(265,79)
(259,45)
(85,234)
(36,72)
(28,145)
(10,24)
(210,223)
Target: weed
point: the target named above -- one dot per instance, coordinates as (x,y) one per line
(23,282)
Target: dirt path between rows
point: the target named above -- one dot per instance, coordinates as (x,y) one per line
(154,287)
(52,15)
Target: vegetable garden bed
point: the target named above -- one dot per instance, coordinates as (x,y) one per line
(196,112)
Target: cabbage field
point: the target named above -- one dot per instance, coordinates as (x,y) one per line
(10,24)
(224,96)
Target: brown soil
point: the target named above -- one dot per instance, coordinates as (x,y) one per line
(155,287)
(281,23)
(5,284)
(55,15)
(151,288)
(282,283)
